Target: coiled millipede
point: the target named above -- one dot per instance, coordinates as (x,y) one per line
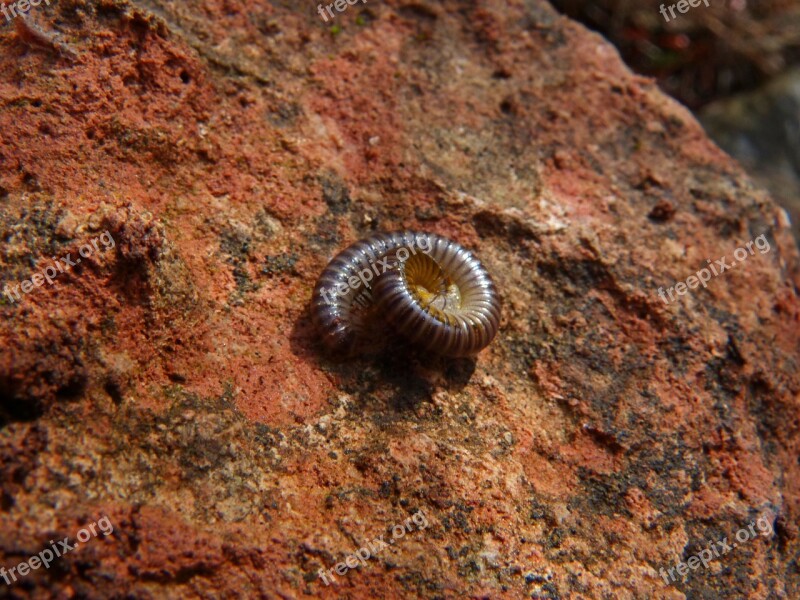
(430,290)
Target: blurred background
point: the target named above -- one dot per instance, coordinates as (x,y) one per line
(735,63)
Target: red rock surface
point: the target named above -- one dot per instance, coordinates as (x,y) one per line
(174,385)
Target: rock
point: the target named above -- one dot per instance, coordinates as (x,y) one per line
(175,388)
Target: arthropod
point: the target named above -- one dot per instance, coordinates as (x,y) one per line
(428,289)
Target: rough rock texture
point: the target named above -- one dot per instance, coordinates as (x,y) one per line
(174,385)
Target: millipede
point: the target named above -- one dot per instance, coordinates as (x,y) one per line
(428,289)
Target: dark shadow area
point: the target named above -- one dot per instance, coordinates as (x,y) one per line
(14,409)
(390,371)
(705,52)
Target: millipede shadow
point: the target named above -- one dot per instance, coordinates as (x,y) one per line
(412,377)
(303,340)
(392,371)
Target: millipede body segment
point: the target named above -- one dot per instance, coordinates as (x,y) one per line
(428,289)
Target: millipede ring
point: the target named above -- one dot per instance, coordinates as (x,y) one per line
(428,289)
